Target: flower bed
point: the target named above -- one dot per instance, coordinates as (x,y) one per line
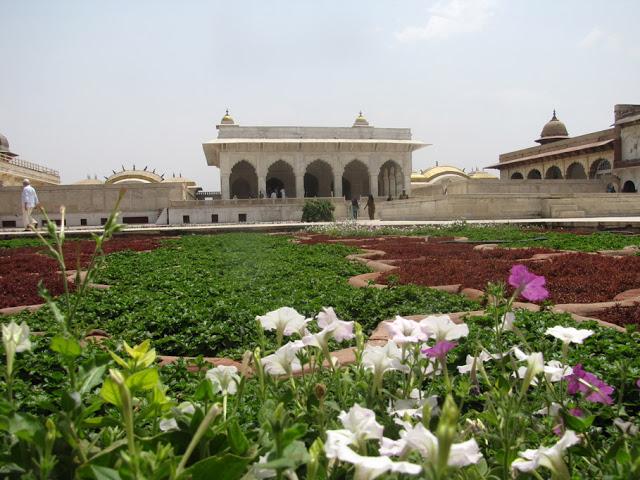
(621,315)
(22,269)
(571,278)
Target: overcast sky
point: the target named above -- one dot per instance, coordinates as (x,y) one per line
(87,86)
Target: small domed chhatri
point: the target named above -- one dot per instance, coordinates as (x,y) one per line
(360,121)
(4,147)
(553,131)
(227,119)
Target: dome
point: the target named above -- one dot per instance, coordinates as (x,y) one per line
(479,174)
(553,130)
(4,146)
(360,121)
(438,173)
(227,119)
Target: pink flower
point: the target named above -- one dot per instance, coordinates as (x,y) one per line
(576,412)
(527,284)
(440,349)
(638,383)
(594,389)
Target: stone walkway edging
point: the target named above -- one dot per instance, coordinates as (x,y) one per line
(581,311)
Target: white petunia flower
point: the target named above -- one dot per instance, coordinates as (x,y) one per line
(549,457)
(381,359)
(413,406)
(369,468)
(16,337)
(418,438)
(167,424)
(555,371)
(552,410)
(224,378)
(361,422)
(482,357)
(341,329)
(284,361)
(507,322)
(403,330)
(285,321)
(441,327)
(569,334)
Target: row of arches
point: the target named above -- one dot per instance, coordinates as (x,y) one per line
(318,180)
(575,171)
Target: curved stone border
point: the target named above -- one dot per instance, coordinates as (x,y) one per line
(579,311)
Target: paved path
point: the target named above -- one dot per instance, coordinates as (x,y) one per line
(599,222)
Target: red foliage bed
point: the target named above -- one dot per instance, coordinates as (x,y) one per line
(571,278)
(21,269)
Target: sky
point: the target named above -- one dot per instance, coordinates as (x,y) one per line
(88,86)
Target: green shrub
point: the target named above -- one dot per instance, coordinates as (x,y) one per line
(318,211)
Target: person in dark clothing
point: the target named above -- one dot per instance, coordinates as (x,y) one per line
(371,207)
(354,207)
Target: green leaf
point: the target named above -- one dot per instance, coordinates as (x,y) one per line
(110,392)
(294,455)
(204,391)
(578,424)
(91,378)
(67,347)
(143,380)
(220,467)
(293,433)
(105,473)
(237,440)
(119,360)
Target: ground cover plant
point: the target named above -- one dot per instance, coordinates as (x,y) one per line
(509,394)
(508,235)
(198,295)
(23,266)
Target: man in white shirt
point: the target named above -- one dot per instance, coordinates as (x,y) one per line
(29,202)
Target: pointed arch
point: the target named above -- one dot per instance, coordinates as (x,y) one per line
(280,176)
(600,167)
(534,174)
(318,179)
(355,179)
(553,173)
(516,176)
(629,187)
(390,179)
(243,180)
(575,171)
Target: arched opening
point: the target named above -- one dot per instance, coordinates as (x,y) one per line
(355,180)
(390,179)
(280,176)
(516,176)
(318,180)
(534,174)
(553,173)
(599,168)
(576,172)
(629,187)
(243,181)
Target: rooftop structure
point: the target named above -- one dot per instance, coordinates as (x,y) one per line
(14,169)
(352,161)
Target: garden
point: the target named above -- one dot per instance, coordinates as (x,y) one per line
(250,356)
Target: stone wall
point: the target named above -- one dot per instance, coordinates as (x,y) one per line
(526,186)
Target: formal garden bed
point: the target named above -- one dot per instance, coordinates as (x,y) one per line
(500,393)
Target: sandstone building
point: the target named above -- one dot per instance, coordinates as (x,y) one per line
(611,155)
(14,169)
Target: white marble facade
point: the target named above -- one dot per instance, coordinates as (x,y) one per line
(312,161)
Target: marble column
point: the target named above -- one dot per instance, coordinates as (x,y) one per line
(262,185)
(337,182)
(373,184)
(225,188)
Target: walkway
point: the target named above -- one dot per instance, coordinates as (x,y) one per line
(594,222)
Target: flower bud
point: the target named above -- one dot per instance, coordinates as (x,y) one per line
(320,390)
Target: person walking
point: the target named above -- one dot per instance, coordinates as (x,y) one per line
(29,202)
(355,207)
(371,207)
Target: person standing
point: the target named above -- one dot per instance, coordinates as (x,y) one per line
(29,202)
(283,194)
(354,207)
(371,207)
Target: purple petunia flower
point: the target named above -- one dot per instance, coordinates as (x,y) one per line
(440,349)
(594,389)
(529,285)
(638,383)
